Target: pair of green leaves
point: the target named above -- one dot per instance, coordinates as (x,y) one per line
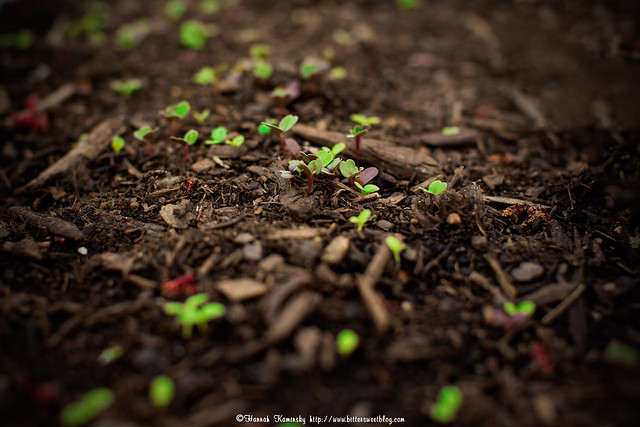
(346,342)
(363,120)
(219,135)
(177,111)
(126,87)
(359,176)
(194,311)
(447,405)
(435,188)
(194,34)
(145,133)
(526,308)
(361,219)
(284,126)
(87,408)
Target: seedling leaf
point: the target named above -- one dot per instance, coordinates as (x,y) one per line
(87,408)
(346,342)
(191,137)
(218,135)
(288,122)
(237,141)
(361,219)
(436,187)
(367,189)
(395,246)
(363,120)
(367,175)
(117,144)
(526,308)
(161,391)
(446,408)
(206,76)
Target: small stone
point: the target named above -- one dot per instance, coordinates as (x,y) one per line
(203,165)
(527,271)
(336,250)
(83,251)
(253,251)
(453,219)
(244,238)
(479,243)
(241,289)
(384,224)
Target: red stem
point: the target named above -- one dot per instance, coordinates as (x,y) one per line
(358,138)
(309,186)
(431,201)
(149,147)
(282,137)
(185,154)
(171,127)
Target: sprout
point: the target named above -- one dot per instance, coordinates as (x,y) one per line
(357,133)
(346,342)
(337,73)
(176,112)
(201,116)
(110,355)
(265,127)
(127,87)
(175,9)
(435,189)
(117,144)
(146,134)
(361,219)
(525,308)
(281,129)
(263,71)
(194,34)
(446,408)
(209,6)
(193,312)
(237,141)
(131,35)
(87,408)
(161,391)
(395,246)
(363,120)
(206,76)
(311,166)
(260,52)
(218,136)
(451,130)
(189,138)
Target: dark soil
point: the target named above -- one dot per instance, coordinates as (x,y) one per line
(546,98)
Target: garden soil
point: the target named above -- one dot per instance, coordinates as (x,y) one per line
(528,110)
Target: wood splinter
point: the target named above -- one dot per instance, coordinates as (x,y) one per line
(367,282)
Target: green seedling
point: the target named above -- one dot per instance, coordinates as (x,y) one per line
(21,40)
(311,70)
(210,6)
(525,308)
(361,181)
(346,342)
(146,134)
(194,34)
(110,355)
(126,87)
(218,136)
(310,166)
(336,149)
(282,128)
(206,76)
(349,170)
(161,391)
(329,162)
(357,133)
(236,141)
(188,139)
(361,219)
(175,9)
(367,188)
(92,25)
(435,189)
(395,246)
(448,403)
(194,311)
(87,408)
(117,144)
(343,37)
(622,354)
(284,94)
(260,52)
(174,113)
(263,71)
(131,35)
(408,4)
(363,120)
(201,116)
(338,73)
(289,172)
(450,130)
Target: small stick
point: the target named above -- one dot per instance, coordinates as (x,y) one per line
(501,276)
(367,282)
(564,305)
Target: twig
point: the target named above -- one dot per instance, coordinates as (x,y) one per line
(46,224)
(501,276)
(564,305)
(225,224)
(510,201)
(367,282)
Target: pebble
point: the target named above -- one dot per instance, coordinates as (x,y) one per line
(527,271)
(83,251)
(384,224)
(479,243)
(454,219)
(336,250)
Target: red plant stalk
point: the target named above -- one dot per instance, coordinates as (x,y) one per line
(309,185)
(282,138)
(149,147)
(185,154)
(171,127)
(431,200)
(358,139)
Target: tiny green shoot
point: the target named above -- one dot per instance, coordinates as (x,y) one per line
(367,188)
(260,52)
(205,76)
(110,355)
(236,141)
(263,70)
(194,34)
(361,219)
(202,115)
(357,133)
(282,128)
(194,311)
(189,138)
(209,6)
(176,112)
(450,130)
(363,120)
(337,73)
(448,403)
(264,127)
(126,87)
(395,246)
(218,136)
(87,408)
(175,9)
(435,189)
(146,134)
(310,166)
(131,35)
(161,391)
(408,4)
(346,342)
(117,144)
(525,308)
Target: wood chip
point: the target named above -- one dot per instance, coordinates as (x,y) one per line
(367,282)
(116,262)
(46,224)
(336,250)
(27,248)
(241,289)
(178,216)
(437,139)
(296,310)
(296,233)
(392,158)
(409,349)
(203,165)
(564,305)
(527,271)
